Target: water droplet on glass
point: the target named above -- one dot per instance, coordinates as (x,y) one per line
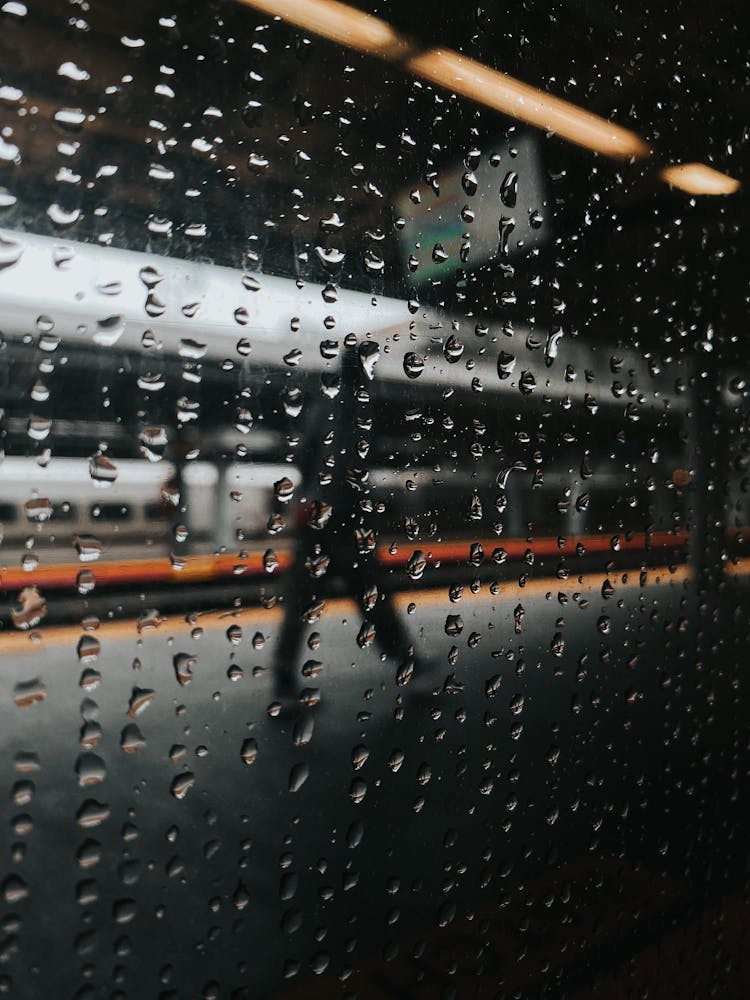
(192,349)
(369,355)
(330,258)
(28,693)
(454,349)
(92,813)
(357,790)
(132,739)
(283,490)
(39,509)
(88,648)
(88,547)
(454,625)
(413,364)
(10,253)
(182,784)
(90,769)
(354,835)
(38,428)
(552,346)
(183,667)
(373,262)
(505,364)
(241,897)
(63,217)
(303,730)
(102,470)
(293,358)
(416,564)
(14,890)
(27,762)
(39,392)
(149,619)
(298,775)
(139,701)
(509,189)
(234,634)
(30,610)
(405,671)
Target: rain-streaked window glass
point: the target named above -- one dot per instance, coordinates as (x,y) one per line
(373,500)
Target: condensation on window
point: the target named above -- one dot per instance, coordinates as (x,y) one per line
(373,500)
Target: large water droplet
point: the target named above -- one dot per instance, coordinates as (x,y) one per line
(298,776)
(88,547)
(102,470)
(31,609)
(88,648)
(509,189)
(139,701)
(283,490)
(413,364)
(416,564)
(10,253)
(132,739)
(92,813)
(505,364)
(28,693)
(38,428)
(182,784)
(369,355)
(183,667)
(454,349)
(39,509)
(90,769)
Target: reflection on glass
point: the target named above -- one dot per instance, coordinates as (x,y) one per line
(697,178)
(373,503)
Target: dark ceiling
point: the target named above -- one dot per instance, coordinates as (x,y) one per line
(271,131)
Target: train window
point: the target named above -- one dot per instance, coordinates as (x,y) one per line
(8,513)
(110,512)
(64,511)
(375,499)
(155,511)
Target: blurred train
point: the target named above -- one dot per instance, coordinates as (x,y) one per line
(175,406)
(44,509)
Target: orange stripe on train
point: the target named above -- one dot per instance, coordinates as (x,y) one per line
(195,569)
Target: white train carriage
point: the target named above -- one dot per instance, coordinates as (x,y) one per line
(134,510)
(107,300)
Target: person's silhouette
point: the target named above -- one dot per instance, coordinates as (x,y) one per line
(335,552)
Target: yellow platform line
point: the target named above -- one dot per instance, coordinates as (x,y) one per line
(44,638)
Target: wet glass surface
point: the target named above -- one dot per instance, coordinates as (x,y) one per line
(373,500)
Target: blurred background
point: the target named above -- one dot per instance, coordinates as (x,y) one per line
(373,500)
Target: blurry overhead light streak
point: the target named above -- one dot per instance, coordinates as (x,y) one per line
(358,30)
(697,178)
(343,24)
(519,100)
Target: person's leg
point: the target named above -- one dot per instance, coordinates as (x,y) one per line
(297,595)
